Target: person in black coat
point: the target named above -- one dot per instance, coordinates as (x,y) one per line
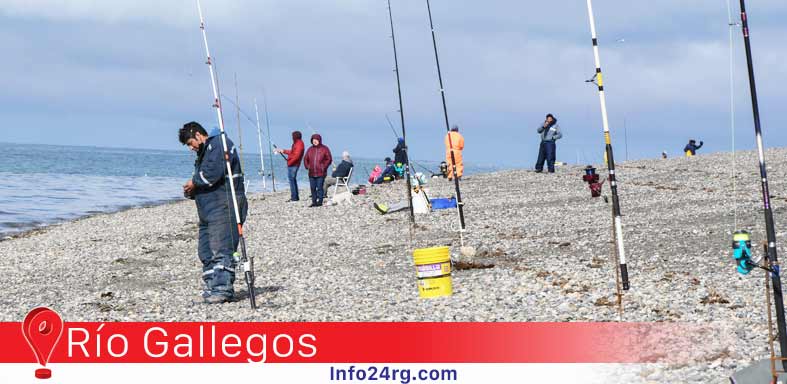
(400,154)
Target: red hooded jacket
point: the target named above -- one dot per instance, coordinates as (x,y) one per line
(318,158)
(295,154)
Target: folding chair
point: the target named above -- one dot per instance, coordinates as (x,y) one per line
(343,182)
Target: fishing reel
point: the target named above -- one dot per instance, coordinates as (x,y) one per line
(741,253)
(444,169)
(592,178)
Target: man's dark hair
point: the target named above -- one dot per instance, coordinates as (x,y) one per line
(189,131)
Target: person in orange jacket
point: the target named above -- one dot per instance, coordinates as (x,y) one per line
(454,142)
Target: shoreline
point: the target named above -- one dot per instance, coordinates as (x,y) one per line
(44,227)
(543,241)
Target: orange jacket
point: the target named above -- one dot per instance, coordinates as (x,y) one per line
(457,140)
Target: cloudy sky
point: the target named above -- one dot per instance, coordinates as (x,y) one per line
(130,73)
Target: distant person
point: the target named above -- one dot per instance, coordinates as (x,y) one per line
(218,232)
(400,157)
(547,151)
(691,148)
(454,143)
(342,170)
(663,154)
(388,174)
(317,160)
(376,172)
(294,156)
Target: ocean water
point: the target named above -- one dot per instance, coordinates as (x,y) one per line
(46,184)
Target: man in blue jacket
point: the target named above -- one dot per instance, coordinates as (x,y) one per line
(691,148)
(549,132)
(218,231)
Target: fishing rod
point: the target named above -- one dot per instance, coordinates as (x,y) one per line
(247,262)
(459,203)
(259,143)
(390,124)
(772,258)
(598,79)
(424,168)
(256,123)
(282,155)
(240,110)
(270,149)
(240,133)
(401,117)
(732,24)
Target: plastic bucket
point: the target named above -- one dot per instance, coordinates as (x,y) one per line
(433,270)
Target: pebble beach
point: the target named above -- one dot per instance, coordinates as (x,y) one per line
(542,253)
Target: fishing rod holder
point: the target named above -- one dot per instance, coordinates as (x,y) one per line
(592,178)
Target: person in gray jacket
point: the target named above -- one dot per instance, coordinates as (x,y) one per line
(550,132)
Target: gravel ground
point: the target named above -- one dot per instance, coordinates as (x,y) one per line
(548,242)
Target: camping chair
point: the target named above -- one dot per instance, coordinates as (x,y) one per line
(343,182)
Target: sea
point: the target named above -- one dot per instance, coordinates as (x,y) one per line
(47,184)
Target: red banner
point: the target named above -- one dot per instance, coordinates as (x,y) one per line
(352,342)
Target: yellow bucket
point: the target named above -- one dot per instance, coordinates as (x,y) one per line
(433,270)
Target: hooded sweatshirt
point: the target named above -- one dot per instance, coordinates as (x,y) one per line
(318,158)
(295,154)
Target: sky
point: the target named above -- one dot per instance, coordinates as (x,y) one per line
(130,73)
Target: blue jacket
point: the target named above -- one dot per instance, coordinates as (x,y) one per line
(692,148)
(210,174)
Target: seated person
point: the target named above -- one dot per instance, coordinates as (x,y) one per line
(419,197)
(399,170)
(388,172)
(343,170)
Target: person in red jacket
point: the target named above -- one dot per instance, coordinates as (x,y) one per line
(294,156)
(317,160)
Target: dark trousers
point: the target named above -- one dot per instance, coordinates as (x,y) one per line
(292,176)
(316,184)
(546,152)
(218,241)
